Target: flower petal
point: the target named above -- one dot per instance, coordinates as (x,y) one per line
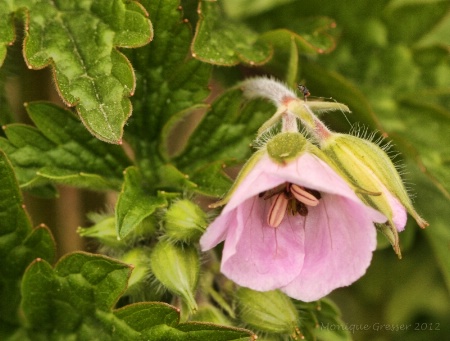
(339,241)
(258,256)
(216,232)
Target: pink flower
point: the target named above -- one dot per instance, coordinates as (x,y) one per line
(297,227)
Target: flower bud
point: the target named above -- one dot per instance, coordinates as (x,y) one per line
(104,231)
(177,268)
(185,221)
(270,311)
(139,259)
(374,177)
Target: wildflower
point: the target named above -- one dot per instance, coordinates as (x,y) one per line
(292,223)
(364,165)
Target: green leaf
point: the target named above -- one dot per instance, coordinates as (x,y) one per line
(20,244)
(6,29)
(221,41)
(61,151)
(134,203)
(143,316)
(74,300)
(223,137)
(169,81)
(79,40)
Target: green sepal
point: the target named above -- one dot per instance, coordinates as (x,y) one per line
(134,203)
(377,161)
(285,147)
(184,221)
(270,312)
(364,165)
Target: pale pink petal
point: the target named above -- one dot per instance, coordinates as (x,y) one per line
(258,256)
(216,231)
(256,181)
(339,241)
(399,215)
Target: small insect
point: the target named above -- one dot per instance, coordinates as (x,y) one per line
(304,91)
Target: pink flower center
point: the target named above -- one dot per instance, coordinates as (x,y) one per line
(289,198)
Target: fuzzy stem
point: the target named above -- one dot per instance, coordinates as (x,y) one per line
(289,122)
(318,129)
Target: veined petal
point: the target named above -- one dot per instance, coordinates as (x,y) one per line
(311,172)
(258,256)
(216,232)
(257,181)
(339,241)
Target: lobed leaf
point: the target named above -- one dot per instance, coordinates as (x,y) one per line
(74,300)
(79,40)
(19,245)
(60,150)
(221,41)
(169,80)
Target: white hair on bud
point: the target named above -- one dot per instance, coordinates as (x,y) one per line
(266,87)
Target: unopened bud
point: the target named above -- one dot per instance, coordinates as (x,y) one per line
(371,172)
(177,268)
(270,311)
(185,221)
(104,231)
(139,259)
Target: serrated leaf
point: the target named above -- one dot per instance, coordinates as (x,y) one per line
(61,151)
(169,79)
(134,203)
(79,40)
(221,41)
(19,244)
(74,300)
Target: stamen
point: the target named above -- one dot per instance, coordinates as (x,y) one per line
(277,210)
(303,195)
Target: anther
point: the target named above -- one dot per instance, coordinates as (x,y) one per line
(303,196)
(277,210)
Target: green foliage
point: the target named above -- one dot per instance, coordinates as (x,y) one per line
(59,150)
(19,245)
(190,127)
(224,42)
(79,39)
